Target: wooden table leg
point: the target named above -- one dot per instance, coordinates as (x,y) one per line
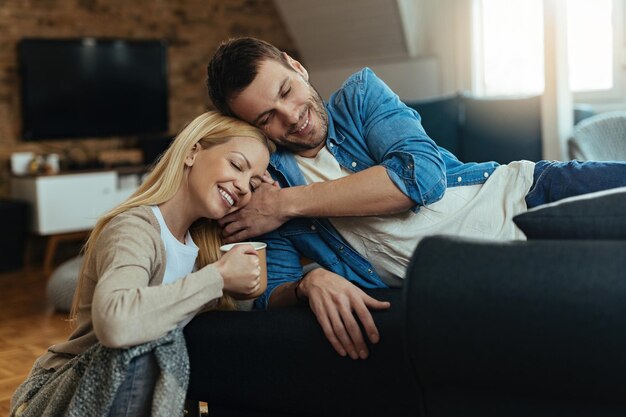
(48,259)
(53,243)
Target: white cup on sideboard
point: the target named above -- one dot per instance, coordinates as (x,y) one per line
(20,161)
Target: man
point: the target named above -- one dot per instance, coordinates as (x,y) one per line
(360,184)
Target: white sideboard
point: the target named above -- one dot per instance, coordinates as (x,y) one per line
(71,202)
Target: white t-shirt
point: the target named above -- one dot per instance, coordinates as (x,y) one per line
(180,259)
(480,211)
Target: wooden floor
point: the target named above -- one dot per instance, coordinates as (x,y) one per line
(28,325)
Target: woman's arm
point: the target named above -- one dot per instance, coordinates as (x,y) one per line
(127,307)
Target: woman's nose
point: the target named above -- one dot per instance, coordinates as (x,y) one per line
(242,186)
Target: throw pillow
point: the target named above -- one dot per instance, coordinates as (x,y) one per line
(599,215)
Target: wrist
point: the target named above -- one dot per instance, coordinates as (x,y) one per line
(300,297)
(289,199)
(219,265)
(307,280)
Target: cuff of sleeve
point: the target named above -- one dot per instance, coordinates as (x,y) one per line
(401,169)
(212,281)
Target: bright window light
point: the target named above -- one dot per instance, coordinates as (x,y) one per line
(509,46)
(590,44)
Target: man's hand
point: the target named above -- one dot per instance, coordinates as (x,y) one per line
(335,301)
(263,214)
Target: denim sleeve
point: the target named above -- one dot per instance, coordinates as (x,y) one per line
(396,139)
(283,265)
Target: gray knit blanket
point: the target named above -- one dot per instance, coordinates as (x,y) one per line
(86,385)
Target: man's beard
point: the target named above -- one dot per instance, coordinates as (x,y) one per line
(316,104)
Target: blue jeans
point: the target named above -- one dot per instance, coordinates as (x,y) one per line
(555,180)
(134,396)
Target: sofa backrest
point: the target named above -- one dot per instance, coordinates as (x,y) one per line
(502,130)
(440,119)
(477,130)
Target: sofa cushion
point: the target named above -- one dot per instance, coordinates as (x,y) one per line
(599,215)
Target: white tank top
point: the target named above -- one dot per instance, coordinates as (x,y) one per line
(180,259)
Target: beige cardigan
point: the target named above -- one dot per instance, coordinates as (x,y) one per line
(123,303)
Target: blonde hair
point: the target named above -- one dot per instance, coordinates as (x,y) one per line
(207,130)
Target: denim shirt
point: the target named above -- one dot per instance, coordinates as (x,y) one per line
(368,125)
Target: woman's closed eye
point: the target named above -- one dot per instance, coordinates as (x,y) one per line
(236,165)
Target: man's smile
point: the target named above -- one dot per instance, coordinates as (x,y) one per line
(301,130)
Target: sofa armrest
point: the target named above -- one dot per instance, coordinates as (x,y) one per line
(518,328)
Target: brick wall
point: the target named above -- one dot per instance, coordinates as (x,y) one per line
(192,28)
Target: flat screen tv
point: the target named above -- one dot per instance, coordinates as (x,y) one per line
(93,87)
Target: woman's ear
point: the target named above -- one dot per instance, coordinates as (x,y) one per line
(297,66)
(191,157)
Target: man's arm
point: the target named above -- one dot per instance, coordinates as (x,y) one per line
(337,304)
(408,168)
(367,193)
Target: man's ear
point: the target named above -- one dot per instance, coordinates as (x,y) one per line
(297,66)
(191,157)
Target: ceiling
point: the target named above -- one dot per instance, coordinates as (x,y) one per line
(332,33)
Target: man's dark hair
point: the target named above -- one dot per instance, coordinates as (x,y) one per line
(234,66)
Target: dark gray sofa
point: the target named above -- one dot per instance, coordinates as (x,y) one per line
(481,328)
(530,328)
(278,363)
(488,129)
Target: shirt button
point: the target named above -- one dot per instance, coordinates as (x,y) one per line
(312,227)
(331,144)
(459,179)
(486,175)
(370,271)
(353,164)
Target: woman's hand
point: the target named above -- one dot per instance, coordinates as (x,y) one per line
(240,270)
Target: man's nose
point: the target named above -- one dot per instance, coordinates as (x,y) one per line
(290,114)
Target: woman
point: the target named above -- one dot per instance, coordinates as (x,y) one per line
(150,265)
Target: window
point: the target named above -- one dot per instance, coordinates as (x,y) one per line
(508,47)
(590,44)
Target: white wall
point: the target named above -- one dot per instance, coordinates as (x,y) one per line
(336,39)
(413,79)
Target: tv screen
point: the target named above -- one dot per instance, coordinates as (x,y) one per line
(93,87)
